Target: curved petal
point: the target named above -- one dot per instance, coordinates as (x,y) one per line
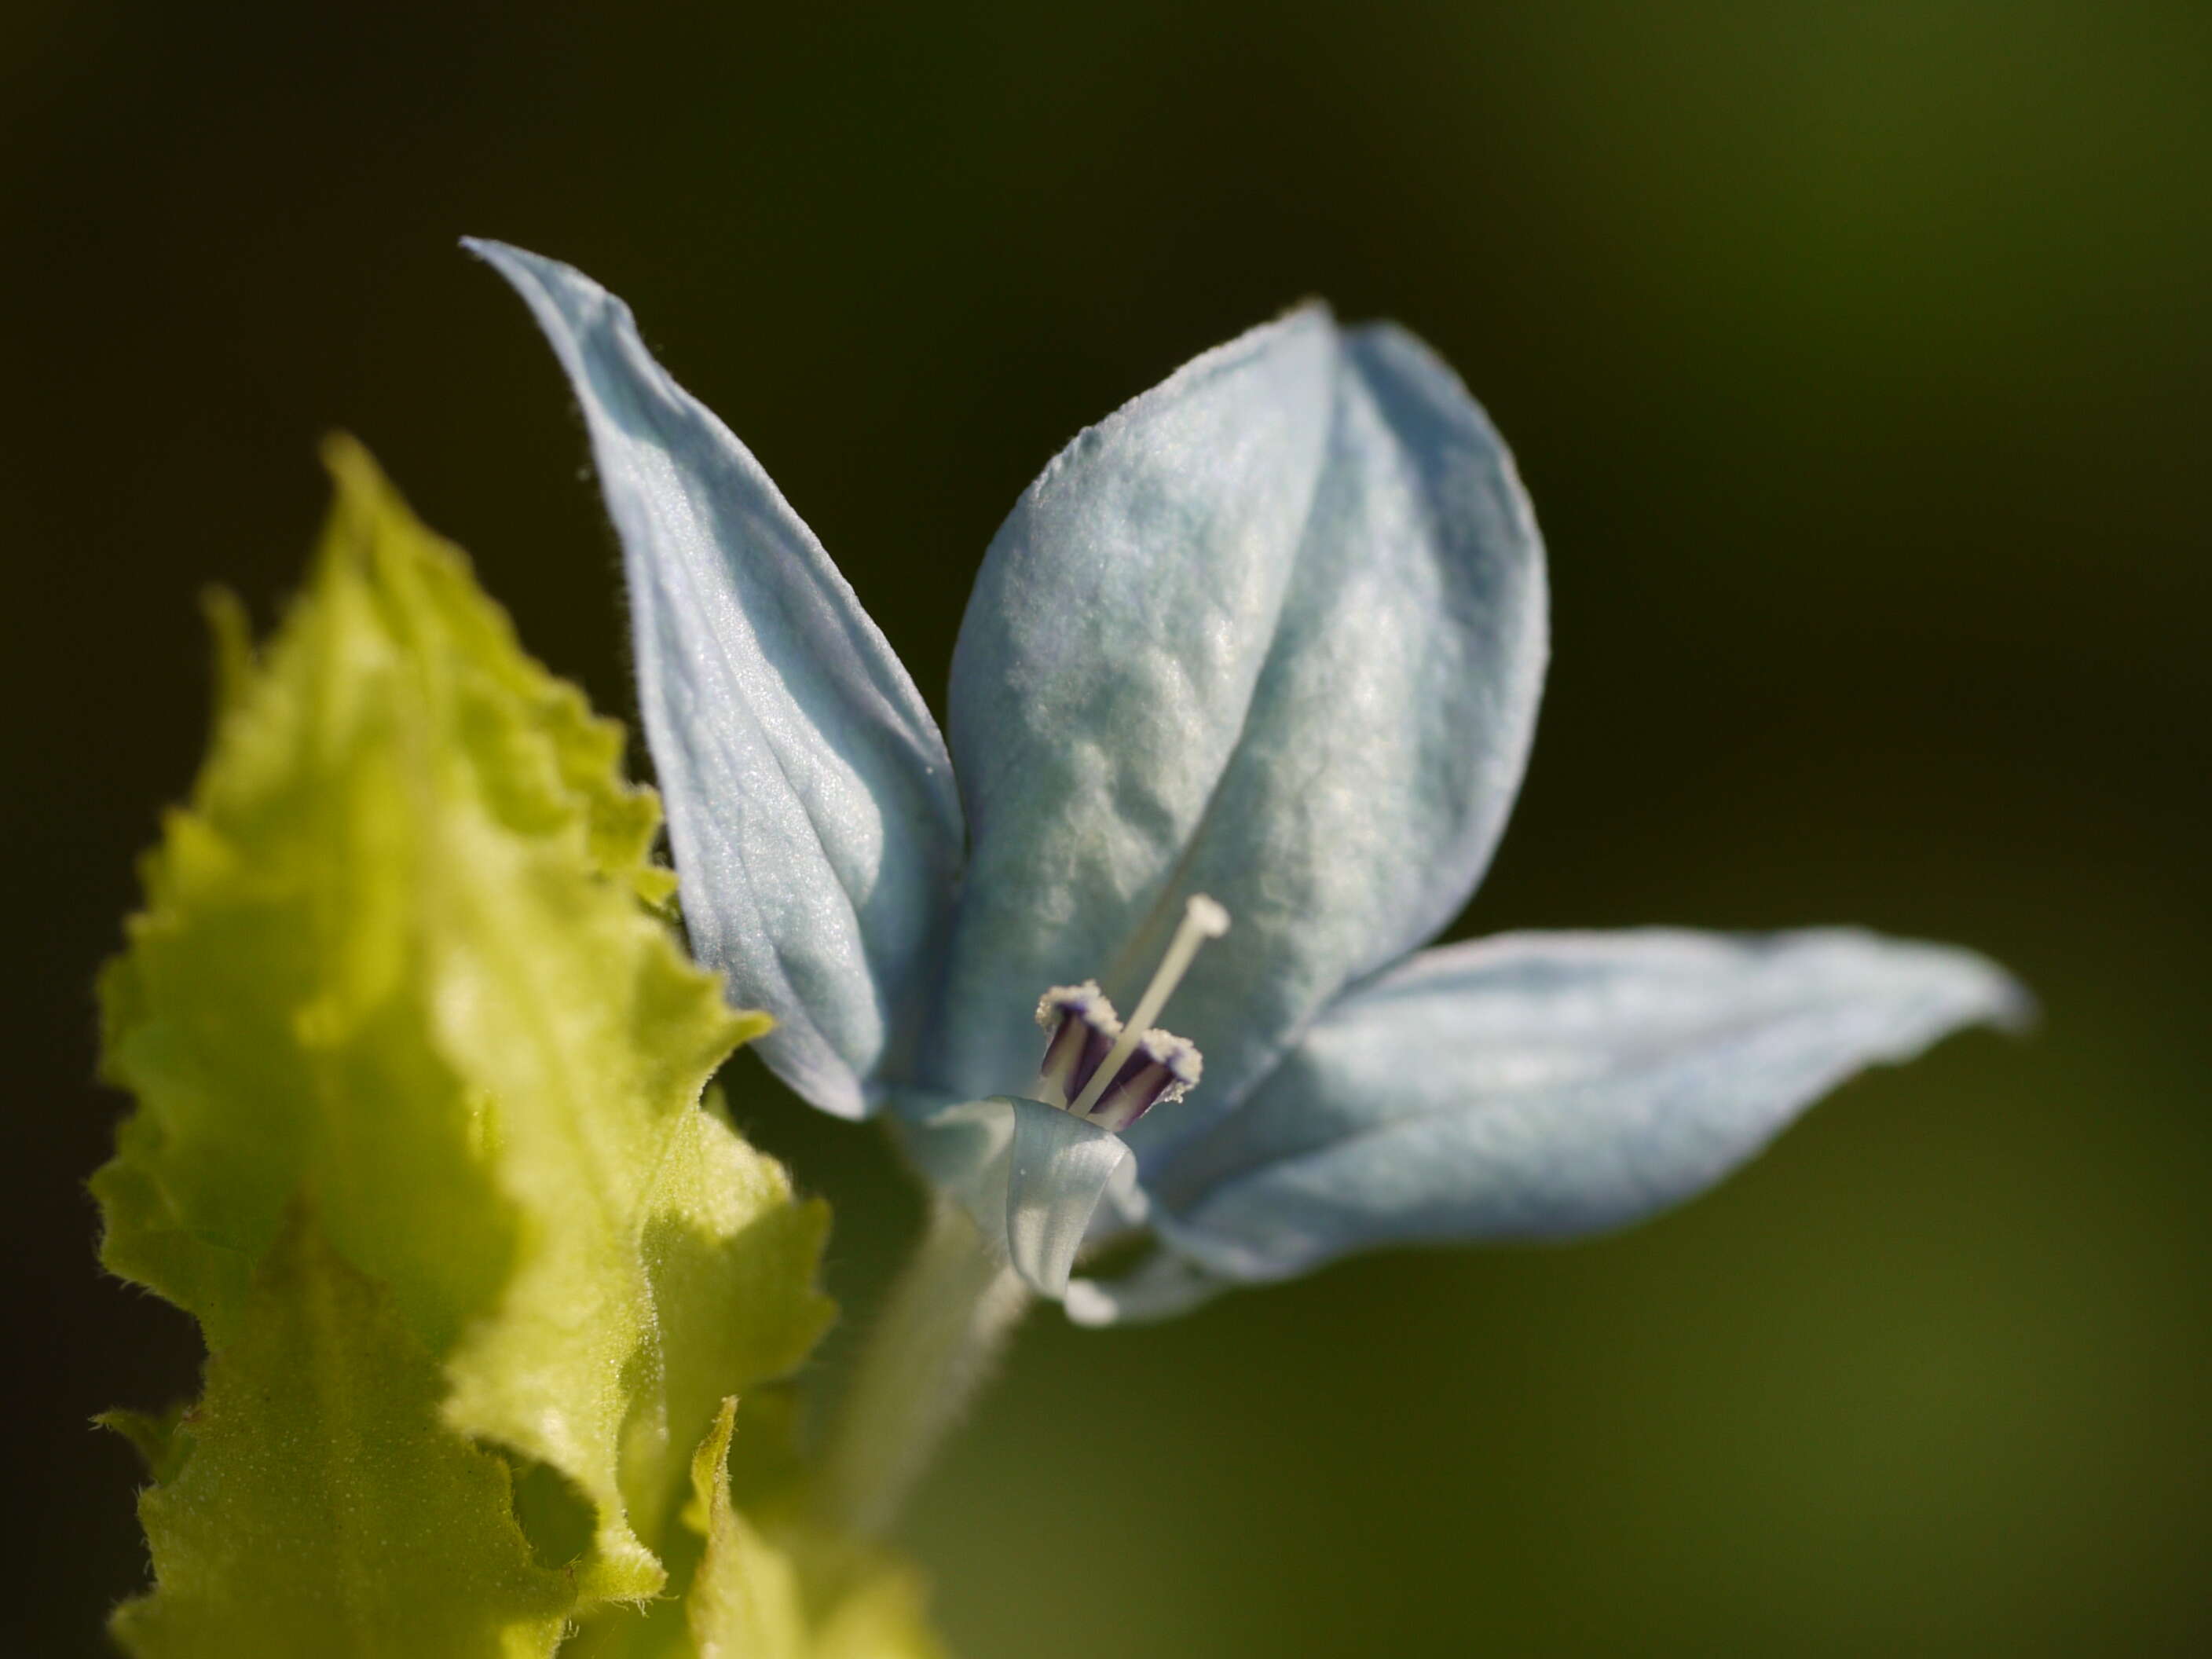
(1541,1085)
(1161,1286)
(1108,654)
(1275,632)
(1031,1174)
(811,806)
(1059,1167)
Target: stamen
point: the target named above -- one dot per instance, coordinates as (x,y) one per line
(1163,1070)
(1080,1028)
(1202,919)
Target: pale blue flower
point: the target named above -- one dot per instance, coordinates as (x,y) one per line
(1273,633)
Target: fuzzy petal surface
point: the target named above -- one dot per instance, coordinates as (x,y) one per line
(1274,632)
(1541,1085)
(811,806)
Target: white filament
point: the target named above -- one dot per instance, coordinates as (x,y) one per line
(1202,919)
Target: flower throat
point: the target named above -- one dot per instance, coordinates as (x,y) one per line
(1111,1073)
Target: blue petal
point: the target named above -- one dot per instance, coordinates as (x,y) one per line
(1540,1085)
(810,800)
(1031,1174)
(1274,632)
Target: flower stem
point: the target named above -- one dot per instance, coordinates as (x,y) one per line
(935,1344)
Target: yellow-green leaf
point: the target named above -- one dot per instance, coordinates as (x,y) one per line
(403,963)
(745,1597)
(320,1477)
(772,1590)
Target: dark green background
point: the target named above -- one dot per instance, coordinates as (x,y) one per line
(1857,359)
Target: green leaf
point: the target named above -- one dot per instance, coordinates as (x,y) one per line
(162,1441)
(766,1587)
(321,1476)
(405,962)
(746,1596)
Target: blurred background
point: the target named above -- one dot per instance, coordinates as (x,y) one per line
(1857,361)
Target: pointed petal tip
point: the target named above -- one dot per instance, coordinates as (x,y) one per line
(1977,990)
(1287,330)
(2014,1009)
(503,256)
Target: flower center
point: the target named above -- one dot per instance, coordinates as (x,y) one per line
(1111,1073)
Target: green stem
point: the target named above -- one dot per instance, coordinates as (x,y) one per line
(935,1344)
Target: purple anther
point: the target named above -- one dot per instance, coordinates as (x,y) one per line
(1079,1026)
(1164,1068)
